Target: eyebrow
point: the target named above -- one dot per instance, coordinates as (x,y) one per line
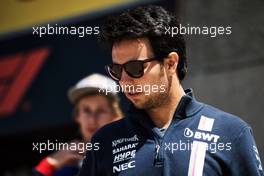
(127,61)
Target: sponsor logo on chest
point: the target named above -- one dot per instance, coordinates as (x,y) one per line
(124,152)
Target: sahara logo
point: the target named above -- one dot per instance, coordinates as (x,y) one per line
(124,155)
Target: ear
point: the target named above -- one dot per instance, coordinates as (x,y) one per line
(171,62)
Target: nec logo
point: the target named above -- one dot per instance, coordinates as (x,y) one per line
(124,166)
(200,135)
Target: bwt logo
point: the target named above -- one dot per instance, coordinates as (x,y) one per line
(188,133)
(200,135)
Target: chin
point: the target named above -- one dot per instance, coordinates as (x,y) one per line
(139,105)
(88,137)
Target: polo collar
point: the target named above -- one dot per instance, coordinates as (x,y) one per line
(186,108)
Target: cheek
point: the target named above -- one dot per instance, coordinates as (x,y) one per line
(103,121)
(77,120)
(153,76)
(81,121)
(156,81)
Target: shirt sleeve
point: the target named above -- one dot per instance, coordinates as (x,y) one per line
(245,158)
(44,168)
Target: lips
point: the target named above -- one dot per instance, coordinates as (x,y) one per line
(133,95)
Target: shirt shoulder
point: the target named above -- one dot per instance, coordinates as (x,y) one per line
(225,123)
(111,130)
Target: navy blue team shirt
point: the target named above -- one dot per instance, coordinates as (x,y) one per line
(200,141)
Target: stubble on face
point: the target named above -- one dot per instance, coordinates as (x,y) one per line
(157,99)
(122,52)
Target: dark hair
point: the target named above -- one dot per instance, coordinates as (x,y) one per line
(150,22)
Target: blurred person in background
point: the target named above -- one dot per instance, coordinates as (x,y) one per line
(93,108)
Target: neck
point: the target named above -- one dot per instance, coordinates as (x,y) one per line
(157,114)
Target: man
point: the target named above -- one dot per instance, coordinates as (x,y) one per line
(93,108)
(166,132)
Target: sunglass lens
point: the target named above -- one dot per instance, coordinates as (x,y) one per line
(114,71)
(135,69)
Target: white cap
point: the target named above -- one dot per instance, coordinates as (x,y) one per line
(90,84)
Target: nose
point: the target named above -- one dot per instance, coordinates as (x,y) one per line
(91,121)
(125,78)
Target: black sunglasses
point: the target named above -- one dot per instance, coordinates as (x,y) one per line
(134,68)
